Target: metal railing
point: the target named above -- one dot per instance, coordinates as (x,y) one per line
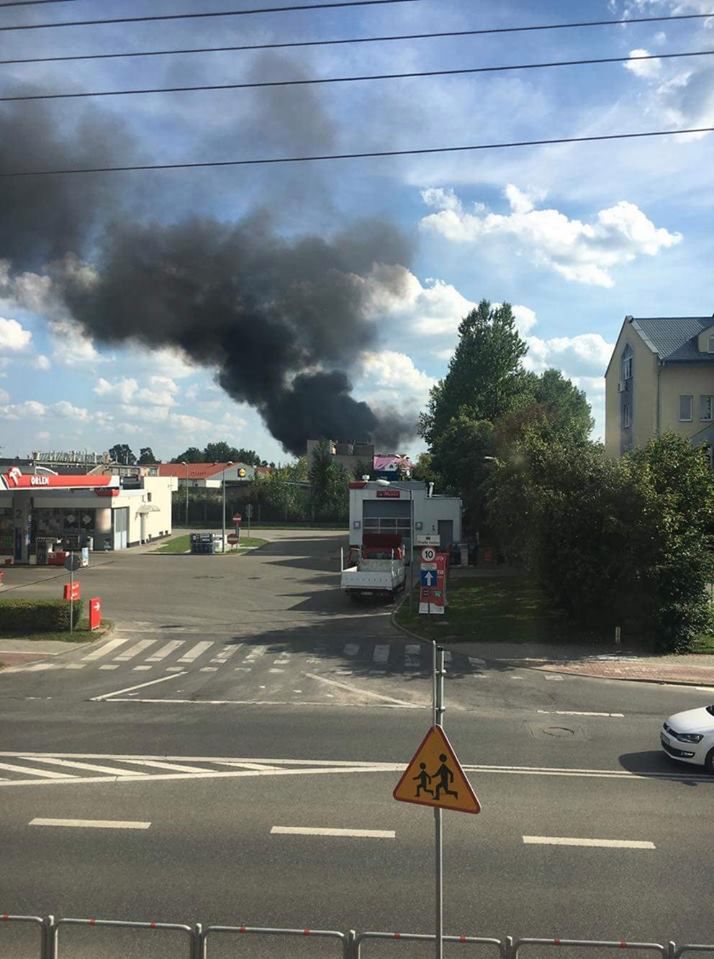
(348,945)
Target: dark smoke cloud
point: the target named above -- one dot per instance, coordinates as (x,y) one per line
(282,321)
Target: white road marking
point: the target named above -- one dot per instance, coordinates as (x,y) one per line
(316,831)
(575,712)
(75,665)
(208,669)
(113,666)
(380,654)
(140,669)
(475,661)
(361,692)
(556,677)
(447,658)
(45,773)
(195,651)
(226,653)
(165,651)
(161,764)
(243,669)
(76,764)
(273,670)
(130,689)
(351,649)
(104,649)
(174,669)
(133,650)
(412,656)
(705,689)
(603,843)
(91,823)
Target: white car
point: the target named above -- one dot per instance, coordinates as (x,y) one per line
(689,737)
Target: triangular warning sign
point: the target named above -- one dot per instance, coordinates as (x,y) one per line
(434,777)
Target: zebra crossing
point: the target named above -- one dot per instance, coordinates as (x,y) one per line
(35,768)
(157,655)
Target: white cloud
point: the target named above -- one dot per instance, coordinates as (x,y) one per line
(41,362)
(29,409)
(4,397)
(13,336)
(188,424)
(581,252)
(72,347)
(67,411)
(160,392)
(121,391)
(643,68)
(390,380)
(584,355)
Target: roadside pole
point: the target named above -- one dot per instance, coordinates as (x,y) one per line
(71,597)
(438,689)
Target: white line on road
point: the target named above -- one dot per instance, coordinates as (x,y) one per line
(105,649)
(165,650)
(133,650)
(130,689)
(556,677)
(161,764)
(361,692)
(75,764)
(226,653)
(91,823)
(112,666)
(315,831)
(351,649)
(380,654)
(572,841)
(141,669)
(32,772)
(575,712)
(195,651)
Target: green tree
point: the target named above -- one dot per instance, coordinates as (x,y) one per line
(329,484)
(122,453)
(485,374)
(192,455)
(146,456)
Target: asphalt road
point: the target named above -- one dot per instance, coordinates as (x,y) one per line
(213,763)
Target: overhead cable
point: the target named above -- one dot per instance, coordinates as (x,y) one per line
(417,151)
(32,3)
(196,16)
(310,81)
(349,40)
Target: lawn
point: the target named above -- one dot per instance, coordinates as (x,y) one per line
(182,544)
(80,634)
(497,609)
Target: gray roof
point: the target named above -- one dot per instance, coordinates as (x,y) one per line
(674,338)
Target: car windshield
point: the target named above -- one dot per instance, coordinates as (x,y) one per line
(710,709)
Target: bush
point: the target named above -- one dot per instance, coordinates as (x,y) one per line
(37,615)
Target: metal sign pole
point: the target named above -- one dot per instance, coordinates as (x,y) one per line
(438,825)
(71,596)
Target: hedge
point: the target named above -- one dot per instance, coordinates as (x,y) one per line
(37,615)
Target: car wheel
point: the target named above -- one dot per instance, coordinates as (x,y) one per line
(709,762)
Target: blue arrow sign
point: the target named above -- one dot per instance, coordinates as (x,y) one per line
(428,577)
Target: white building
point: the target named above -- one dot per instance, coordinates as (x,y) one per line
(112,511)
(382,507)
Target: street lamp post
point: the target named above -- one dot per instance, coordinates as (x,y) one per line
(184,463)
(223,511)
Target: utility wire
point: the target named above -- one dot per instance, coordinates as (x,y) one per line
(32,3)
(421,151)
(350,40)
(257,84)
(196,16)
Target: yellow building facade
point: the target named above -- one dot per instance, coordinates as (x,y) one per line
(660,379)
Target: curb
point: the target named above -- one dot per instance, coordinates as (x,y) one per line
(71,645)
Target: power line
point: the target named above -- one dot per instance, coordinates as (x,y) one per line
(195,16)
(32,3)
(420,151)
(351,40)
(310,81)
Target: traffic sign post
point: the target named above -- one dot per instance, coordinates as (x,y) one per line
(233,538)
(72,563)
(432,597)
(434,777)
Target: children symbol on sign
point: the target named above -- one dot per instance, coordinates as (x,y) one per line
(423,778)
(445,777)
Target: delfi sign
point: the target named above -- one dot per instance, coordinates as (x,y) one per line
(389,494)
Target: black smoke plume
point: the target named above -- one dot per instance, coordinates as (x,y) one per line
(282,321)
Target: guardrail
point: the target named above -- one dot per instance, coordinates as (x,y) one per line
(348,945)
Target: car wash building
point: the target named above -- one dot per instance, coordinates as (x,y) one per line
(43,514)
(407,508)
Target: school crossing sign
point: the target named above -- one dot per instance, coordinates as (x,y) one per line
(434,777)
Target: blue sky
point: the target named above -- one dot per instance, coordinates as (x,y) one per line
(575,236)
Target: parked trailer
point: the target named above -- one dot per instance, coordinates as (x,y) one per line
(380,568)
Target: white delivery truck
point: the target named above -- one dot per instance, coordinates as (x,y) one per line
(380,568)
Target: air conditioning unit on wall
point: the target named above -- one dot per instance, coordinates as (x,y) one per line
(621,387)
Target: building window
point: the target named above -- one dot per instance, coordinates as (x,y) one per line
(627,368)
(711,343)
(686,402)
(706,406)
(626,416)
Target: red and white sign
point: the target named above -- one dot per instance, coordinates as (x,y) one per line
(389,494)
(95,612)
(432,599)
(233,538)
(14,479)
(71,592)
(428,554)
(237,518)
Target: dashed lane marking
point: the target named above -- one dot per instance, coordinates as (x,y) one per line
(575,712)
(342,833)
(573,841)
(130,689)
(91,823)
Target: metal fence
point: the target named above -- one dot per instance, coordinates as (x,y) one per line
(347,945)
